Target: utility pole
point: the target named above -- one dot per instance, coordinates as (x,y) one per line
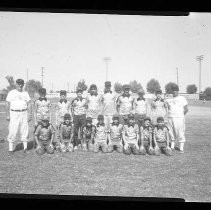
(177,77)
(68,87)
(199,58)
(42,75)
(107,59)
(27,75)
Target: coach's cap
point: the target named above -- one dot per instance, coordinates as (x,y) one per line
(147,118)
(100,117)
(63,92)
(115,117)
(160,119)
(141,91)
(89,119)
(107,84)
(20,81)
(126,87)
(175,88)
(93,86)
(131,116)
(67,116)
(42,90)
(45,118)
(79,90)
(158,91)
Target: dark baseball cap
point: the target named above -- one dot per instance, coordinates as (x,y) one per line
(20,81)
(126,87)
(116,116)
(79,90)
(158,92)
(89,119)
(67,116)
(107,84)
(160,119)
(175,88)
(100,117)
(63,92)
(42,90)
(93,86)
(147,118)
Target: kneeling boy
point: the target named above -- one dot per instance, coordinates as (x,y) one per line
(161,138)
(44,135)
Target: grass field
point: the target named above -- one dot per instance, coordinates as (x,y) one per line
(82,173)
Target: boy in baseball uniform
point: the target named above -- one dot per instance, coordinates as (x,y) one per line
(66,132)
(124,105)
(18,113)
(88,133)
(146,131)
(94,104)
(115,135)
(140,107)
(79,107)
(101,136)
(44,135)
(161,138)
(177,109)
(108,101)
(130,136)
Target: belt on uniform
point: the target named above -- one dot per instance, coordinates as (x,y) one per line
(18,110)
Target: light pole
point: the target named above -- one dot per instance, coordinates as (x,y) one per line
(42,75)
(107,59)
(199,58)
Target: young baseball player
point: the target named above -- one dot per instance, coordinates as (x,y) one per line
(177,109)
(94,104)
(18,113)
(158,108)
(140,107)
(44,135)
(115,135)
(88,132)
(124,105)
(42,106)
(146,131)
(101,136)
(161,138)
(66,132)
(79,106)
(130,136)
(108,101)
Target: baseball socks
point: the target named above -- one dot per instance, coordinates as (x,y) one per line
(181,146)
(11,146)
(25,145)
(172,145)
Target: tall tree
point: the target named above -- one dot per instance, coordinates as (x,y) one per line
(33,86)
(82,85)
(191,89)
(11,82)
(169,86)
(135,86)
(207,91)
(118,87)
(153,85)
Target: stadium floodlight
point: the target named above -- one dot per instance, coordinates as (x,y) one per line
(199,59)
(107,59)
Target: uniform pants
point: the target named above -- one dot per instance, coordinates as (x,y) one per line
(78,121)
(163,148)
(87,145)
(103,145)
(115,146)
(177,129)
(139,118)
(44,148)
(66,146)
(132,148)
(18,119)
(146,149)
(108,120)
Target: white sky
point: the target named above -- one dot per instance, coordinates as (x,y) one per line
(71,47)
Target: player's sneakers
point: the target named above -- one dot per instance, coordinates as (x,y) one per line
(181,151)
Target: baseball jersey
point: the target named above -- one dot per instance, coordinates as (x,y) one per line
(131,133)
(100,134)
(43,108)
(63,108)
(44,133)
(160,133)
(158,107)
(66,130)
(176,106)
(147,131)
(79,106)
(108,100)
(126,104)
(116,132)
(88,131)
(18,100)
(140,106)
(94,105)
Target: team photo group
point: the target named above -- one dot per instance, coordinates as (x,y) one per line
(98,122)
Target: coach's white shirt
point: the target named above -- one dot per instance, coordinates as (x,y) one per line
(176,106)
(18,100)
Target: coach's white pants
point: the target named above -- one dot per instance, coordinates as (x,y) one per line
(18,119)
(177,129)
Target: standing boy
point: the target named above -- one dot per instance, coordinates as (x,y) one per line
(44,135)
(124,104)
(177,109)
(131,136)
(79,116)
(18,113)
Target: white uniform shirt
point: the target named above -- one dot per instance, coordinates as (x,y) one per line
(176,106)
(18,100)
(131,133)
(126,104)
(63,108)
(140,107)
(94,105)
(100,135)
(79,106)
(108,100)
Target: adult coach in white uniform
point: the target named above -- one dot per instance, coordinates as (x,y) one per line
(177,109)
(18,113)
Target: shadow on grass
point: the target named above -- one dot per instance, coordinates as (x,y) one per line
(20,146)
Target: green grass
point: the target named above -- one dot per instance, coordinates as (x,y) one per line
(82,173)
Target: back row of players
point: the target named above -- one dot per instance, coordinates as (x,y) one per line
(109,122)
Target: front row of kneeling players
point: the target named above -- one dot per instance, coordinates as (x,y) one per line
(128,138)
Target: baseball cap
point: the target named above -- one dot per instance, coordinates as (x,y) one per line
(175,87)
(116,116)
(100,117)
(158,92)
(107,84)
(63,92)
(20,81)
(160,119)
(89,119)
(45,118)
(131,116)
(67,116)
(42,90)
(147,118)
(79,90)
(126,87)
(93,86)
(141,91)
